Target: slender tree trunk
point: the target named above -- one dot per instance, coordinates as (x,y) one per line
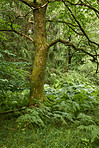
(69,57)
(41,47)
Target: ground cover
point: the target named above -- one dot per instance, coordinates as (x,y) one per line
(51,136)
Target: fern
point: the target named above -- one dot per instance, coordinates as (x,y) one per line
(93,129)
(85,119)
(30,118)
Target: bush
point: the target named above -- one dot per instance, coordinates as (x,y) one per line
(13,100)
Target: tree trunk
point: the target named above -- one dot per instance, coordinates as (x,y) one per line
(37,81)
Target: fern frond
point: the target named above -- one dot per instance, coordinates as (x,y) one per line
(93,129)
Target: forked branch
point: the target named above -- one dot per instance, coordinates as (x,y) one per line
(21,34)
(80,3)
(67,43)
(68,24)
(80,26)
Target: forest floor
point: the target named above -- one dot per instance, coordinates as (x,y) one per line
(51,136)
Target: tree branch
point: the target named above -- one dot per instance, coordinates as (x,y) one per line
(22,16)
(33,5)
(63,22)
(83,4)
(22,34)
(6,30)
(27,2)
(19,33)
(72,45)
(81,28)
(68,24)
(11,111)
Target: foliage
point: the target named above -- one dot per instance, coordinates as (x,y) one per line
(94,130)
(49,136)
(89,71)
(73,100)
(31,117)
(73,97)
(13,101)
(13,75)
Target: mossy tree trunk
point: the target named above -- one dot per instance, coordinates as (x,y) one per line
(40,42)
(41,47)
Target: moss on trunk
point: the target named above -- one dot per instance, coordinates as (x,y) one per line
(41,47)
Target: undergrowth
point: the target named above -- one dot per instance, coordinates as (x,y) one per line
(72,102)
(48,137)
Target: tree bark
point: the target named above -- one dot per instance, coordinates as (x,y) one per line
(37,81)
(40,42)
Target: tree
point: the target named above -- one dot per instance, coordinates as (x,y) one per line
(76,22)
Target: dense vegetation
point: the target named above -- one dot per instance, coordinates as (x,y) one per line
(69,116)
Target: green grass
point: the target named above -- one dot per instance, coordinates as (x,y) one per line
(52,136)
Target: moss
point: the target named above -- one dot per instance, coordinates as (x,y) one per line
(37,81)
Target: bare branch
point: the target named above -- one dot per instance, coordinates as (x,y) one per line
(68,24)
(81,28)
(22,16)
(33,5)
(21,34)
(27,2)
(72,45)
(63,22)
(6,30)
(83,4)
